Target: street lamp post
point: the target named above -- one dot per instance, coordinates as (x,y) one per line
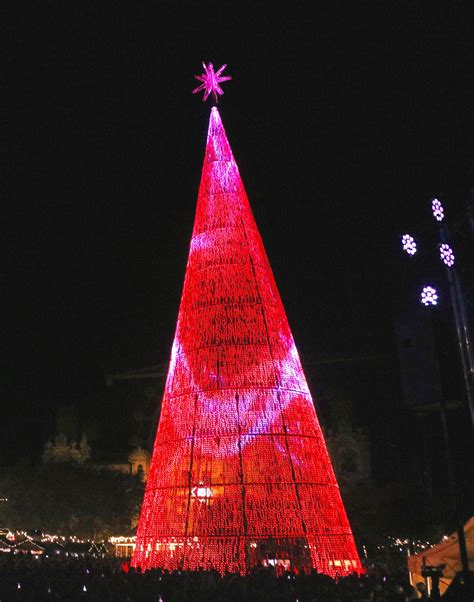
(460,319)
(429,297)
(452,486)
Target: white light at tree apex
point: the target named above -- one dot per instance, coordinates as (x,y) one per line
(446,254)
(409,244)
(201,492)
(429,296)
(437,209)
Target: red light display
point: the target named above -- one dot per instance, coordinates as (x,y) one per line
(240,473)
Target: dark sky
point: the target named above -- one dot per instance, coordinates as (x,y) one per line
(344,119)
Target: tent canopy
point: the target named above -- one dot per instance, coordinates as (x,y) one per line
(446,552)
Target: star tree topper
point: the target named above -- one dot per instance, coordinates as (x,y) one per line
(211,80)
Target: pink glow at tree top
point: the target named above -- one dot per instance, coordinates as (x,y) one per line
(210,81)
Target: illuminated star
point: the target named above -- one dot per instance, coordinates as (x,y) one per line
(211,80)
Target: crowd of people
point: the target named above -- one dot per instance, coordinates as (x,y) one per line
(30,578)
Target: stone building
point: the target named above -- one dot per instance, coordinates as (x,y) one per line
(65,451)
(350,455)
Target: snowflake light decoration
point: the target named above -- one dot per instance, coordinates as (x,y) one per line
(409,244)
(210,81)
(429,296)
(446,254)
(437,209)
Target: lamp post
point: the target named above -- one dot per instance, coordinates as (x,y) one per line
(458,306)
(461,321)
(429,297)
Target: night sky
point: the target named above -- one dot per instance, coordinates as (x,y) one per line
(344,119)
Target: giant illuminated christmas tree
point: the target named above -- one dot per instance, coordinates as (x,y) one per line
(240,473)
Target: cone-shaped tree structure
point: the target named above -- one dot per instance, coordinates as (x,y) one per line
(240,473)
